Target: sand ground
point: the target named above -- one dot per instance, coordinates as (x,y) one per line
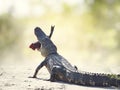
(14,76)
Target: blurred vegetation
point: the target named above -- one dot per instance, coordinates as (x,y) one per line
(9,32)
(92,26)
(106,15)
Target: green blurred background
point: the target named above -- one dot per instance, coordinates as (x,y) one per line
(87,32)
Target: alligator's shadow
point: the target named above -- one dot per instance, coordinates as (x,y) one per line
(76,84)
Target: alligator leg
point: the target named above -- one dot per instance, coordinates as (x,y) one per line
(58,74)
(38,68)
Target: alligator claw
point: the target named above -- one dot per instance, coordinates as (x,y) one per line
(32,77)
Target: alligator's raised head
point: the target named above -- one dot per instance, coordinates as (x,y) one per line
(44,44)
(40,34)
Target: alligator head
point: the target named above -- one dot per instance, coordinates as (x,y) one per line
(44,44)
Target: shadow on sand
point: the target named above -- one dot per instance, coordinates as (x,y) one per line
(108,88)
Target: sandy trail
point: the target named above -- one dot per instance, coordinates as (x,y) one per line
(15,77)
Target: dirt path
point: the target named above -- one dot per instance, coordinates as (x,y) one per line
(15,77)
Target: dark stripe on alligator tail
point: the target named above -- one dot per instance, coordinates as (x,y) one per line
(86,79)
(101,80)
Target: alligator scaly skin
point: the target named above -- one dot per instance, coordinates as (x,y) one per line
(61,70)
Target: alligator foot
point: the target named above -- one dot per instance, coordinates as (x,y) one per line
(32,77)
(53,78)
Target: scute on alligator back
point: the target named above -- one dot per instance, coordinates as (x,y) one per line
(58,60)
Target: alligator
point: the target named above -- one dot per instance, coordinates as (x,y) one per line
(61,70)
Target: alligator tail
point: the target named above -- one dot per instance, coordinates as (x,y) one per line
(93,79)
(115,82)
(86,79)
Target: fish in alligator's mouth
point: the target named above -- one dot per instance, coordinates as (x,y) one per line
(35,46)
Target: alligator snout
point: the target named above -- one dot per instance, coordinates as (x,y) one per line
(37,30)
(39,33)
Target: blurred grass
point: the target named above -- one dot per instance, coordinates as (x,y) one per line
(10,36)
(8,32)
